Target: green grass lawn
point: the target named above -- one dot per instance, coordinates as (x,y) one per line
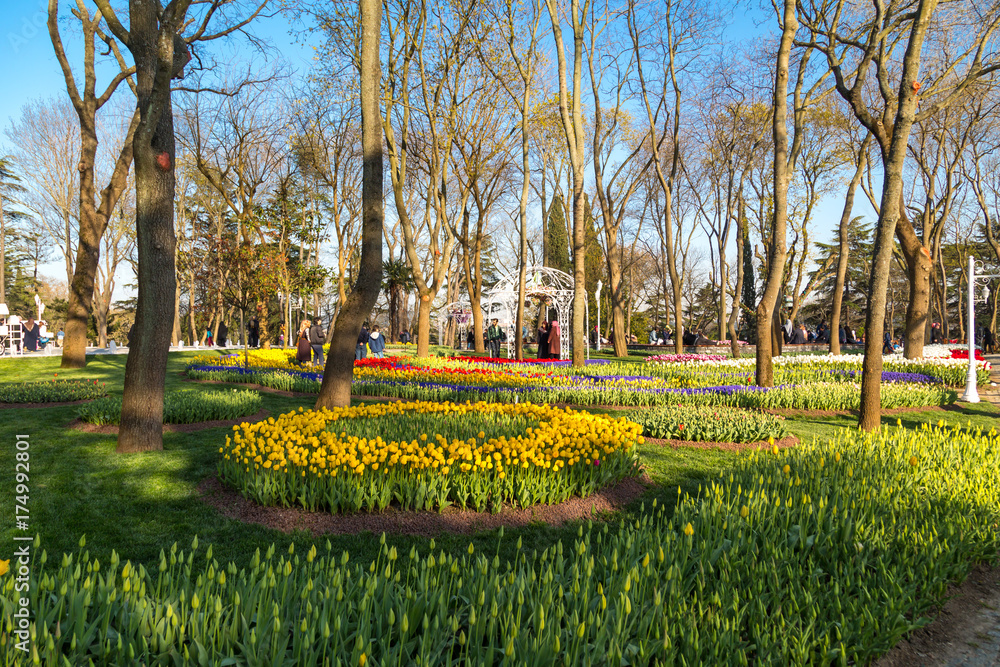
(139,504)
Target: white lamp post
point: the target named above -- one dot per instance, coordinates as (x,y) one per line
(597,295)
(971,394)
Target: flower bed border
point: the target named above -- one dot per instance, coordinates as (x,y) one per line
(423,523)
(53,404)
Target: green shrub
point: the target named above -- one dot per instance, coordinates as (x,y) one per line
(181,407)
(51,391)
(826,553)
(711,424)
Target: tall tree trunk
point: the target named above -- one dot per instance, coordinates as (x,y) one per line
(152,46)
(338,373)
(844,247)
(734,314)
(776,256)
(892,190)
(175,336)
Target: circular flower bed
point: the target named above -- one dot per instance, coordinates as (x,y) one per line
(428,456)
(181,407)
(708,424)
(51,391)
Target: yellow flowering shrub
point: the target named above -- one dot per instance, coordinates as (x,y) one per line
(428,455)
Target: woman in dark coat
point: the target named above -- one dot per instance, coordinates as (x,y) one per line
(543,341)
(223,335)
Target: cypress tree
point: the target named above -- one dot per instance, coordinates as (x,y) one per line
(558,241)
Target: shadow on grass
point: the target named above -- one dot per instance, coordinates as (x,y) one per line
(141,503)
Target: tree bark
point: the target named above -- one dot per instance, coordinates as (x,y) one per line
(776,259)
(151,40)
(338,373)
(892,190)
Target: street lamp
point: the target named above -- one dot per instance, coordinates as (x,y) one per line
(971,394)
(597,295)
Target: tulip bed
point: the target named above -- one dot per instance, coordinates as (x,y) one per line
(825,553)
(428,456)
(181,407)
(51,391)
(802,386)
(802,369)
(711,424)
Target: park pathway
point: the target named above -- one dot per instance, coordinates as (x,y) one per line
(966,633)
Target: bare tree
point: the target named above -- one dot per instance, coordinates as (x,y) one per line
(571,113)
(784,161)
(46,148)
(95,209)
(160,54)
(336,388)
(865,51)
(526,62)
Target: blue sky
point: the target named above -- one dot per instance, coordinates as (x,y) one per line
(30,70)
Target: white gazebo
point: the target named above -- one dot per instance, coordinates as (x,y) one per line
(459,312)
(550,286)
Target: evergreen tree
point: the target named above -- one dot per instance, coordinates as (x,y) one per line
(558,241)
(594,265)
(859,240)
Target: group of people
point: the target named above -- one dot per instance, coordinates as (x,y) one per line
(801,335)
(369,339)
(660,336)
(309,342)
(549,340)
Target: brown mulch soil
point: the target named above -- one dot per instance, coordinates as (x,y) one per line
(964,631)
(787,441)
(12,406)
(83,426)
(231,504)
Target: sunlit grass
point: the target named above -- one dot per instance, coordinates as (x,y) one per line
(140,503)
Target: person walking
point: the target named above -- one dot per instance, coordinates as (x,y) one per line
(543,341)
(360,351)
(376,342)
(887,342)
(555,344)
(493,336)
(303,350)
(223,334)
(317,337)
(935,333)
(253,332)
(404,336)
(30,333)
(208,338)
